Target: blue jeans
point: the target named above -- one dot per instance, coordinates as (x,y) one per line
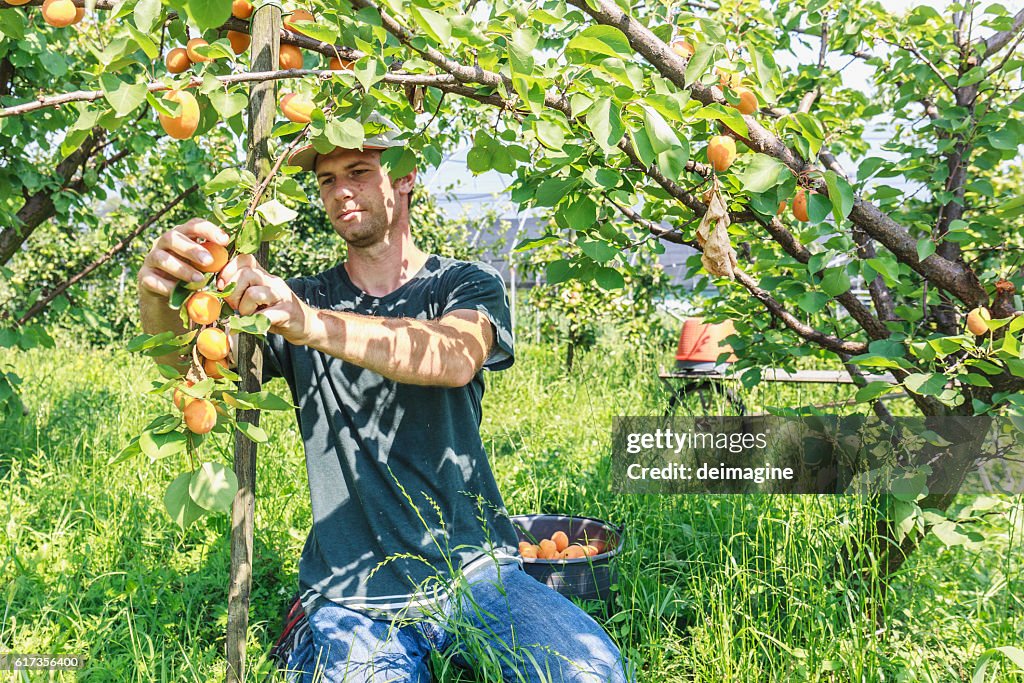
(507,625)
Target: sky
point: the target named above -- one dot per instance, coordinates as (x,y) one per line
(475,194)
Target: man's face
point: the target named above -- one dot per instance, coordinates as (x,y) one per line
(360,199)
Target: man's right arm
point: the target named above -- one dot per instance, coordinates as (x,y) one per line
(171,260)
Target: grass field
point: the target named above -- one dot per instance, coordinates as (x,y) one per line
(711,588)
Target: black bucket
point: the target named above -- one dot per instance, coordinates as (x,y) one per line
(587,578)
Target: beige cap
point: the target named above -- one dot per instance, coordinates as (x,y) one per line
(386,136)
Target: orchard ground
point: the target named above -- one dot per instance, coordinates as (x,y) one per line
(724,588)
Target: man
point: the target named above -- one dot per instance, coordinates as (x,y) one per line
(383,355)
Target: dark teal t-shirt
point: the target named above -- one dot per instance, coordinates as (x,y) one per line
(399,480)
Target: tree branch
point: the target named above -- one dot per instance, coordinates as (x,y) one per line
(45,301)
(998,41)
(779,311)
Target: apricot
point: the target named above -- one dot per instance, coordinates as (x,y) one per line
(220,258)
(721,152)
(297,15)
(977,319)
(782,207)
(59,13)
(211,369)
(524,544)
(574,552)
(748,101)
(239,41)
(200,416)
(203,308)
(212,343)
(190,48)
(548,551)
(591,550)
(16,3)
(79,14)
(338,64)
(290,57)
(241,9)
(529,552)
(182,126)
(297,108)
(180,398)
(800,205)
(177,60)
(560,540)
(683,48)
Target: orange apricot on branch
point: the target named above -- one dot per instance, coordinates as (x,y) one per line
(212,343)
(338,64)
(200,416)
(17,3)
(721,152)
(241,9)
(180,398)
(782,207)
(977,321)
(683,48)
(297,15)
(220,258)
(182,126)
(297,108)
(203,308)
(211,369)
(239,41)
(800,206)
(190,48)
(290,57)
(177,60)
(748,101)
(59,13)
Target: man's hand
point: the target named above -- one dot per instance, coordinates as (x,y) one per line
(174,255)
(257,291)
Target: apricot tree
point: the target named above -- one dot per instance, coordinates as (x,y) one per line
(634,124)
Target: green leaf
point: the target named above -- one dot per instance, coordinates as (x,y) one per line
(228,104)
(227,179)
(536,242)
(925,383)
(12,25)
(255,433)
(672,162)
(158,446)
(399,161)
(925,248)
(347,133)
(276,213)
(603,40)
(872,390)
(179,503)
(433,24)
(727,115)
(1004,139)
(659,132)
(264,400)
(699,62)
(213,486)
(123,97)
(557,271)
(604,121)
(835,281)
(971,77)
(762,173)
(600,251)
(840,193)
(208,14)
(609,278)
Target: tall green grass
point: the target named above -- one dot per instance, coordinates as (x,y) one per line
(710,588)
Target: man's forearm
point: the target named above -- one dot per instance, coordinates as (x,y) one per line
(156,317)
(406,350)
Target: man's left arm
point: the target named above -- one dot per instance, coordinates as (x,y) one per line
(446,352)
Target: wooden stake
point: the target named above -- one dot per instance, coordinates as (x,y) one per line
(265,47)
